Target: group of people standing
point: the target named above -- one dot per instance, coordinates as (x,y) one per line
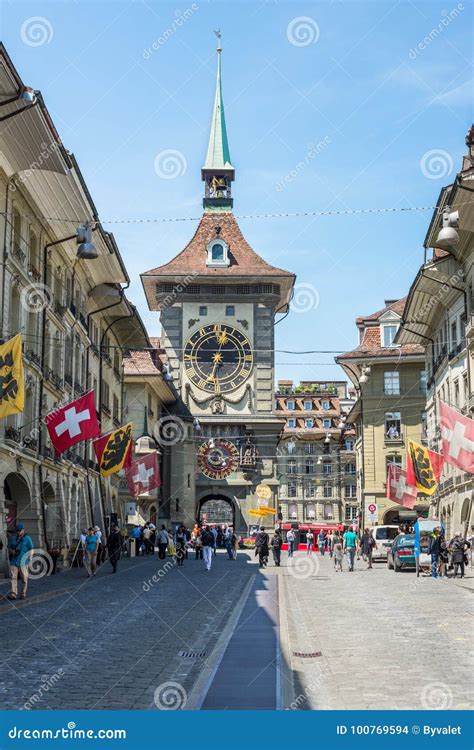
(95,548)
(443,552)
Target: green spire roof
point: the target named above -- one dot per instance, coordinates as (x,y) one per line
(218,154)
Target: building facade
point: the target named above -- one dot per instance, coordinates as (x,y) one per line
(390,381)
(439,317)
(218,300)
(74,318)
(316,459)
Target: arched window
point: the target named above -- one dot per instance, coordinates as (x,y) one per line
(217,253)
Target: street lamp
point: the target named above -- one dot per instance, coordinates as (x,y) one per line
(448,237)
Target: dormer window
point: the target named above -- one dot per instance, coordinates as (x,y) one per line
(218,254)
(388,334)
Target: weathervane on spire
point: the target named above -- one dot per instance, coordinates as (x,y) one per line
(219,36)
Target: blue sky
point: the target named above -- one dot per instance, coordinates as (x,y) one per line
(385,89)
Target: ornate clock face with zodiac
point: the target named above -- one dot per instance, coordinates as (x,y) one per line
(217,458)
(218,358)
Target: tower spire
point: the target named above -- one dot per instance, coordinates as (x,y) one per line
(218,172)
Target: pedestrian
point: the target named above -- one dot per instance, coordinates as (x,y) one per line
(207,540)
(228,543)
(214,534)
(137,536)
(290,538)
(276,547)
(82,542)
(322,541)
(367,544)
(163,540)
(114,546)
(434,549)
(261,547)
(235,545)
(443,557)
(338,554)
(309,542)
(350,547)
(336,540)
(181,542)
(101,545)
(458,546)
(19,553)
(198,545)
(92,544)
(146,539)
(330,543)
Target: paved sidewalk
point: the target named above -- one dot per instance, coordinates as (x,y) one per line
(386,640)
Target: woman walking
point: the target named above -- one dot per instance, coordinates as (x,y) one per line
(261,547)
(458,546)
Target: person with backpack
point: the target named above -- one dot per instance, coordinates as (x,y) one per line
(367,544)
(290,538)
(261,547)
(19,553)
(276,547)
(207,541)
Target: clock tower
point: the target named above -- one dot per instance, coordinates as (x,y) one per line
(218,300)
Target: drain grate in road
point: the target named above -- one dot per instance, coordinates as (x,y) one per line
(307,654)
(192,654)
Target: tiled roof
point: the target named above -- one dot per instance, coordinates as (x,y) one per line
(243,260)
(142,362)
(371,345)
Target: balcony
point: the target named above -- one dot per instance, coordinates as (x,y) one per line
(105,408)
(83,321)
(68,379)
(92,465)
(13,434)
(33,357)
(394,439)
(456,350)
(33,272)
(59,309)
(47,452)
(53,378)
(18,253)
(78,388)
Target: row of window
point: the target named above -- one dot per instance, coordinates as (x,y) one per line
(310,448)
(310,511)
(310,467)
(229,311)
(391,383)
(309,422)
(308,405)
(310,489)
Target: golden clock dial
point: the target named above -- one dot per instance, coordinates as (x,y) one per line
(218,358)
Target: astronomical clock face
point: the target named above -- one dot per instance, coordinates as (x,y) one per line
(218,358)
(218,459)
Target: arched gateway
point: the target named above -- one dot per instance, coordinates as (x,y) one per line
(217,509)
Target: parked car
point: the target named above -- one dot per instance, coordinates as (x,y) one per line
(401,552)
(383,536)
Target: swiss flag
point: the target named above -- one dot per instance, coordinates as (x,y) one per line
(73,423)
(398,488)
(143,475)
(457,432)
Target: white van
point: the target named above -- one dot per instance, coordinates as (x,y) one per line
(384,536)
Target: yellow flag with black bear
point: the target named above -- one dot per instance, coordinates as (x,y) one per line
(114,450)
(12,381)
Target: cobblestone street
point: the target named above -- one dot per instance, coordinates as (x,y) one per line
(372,639)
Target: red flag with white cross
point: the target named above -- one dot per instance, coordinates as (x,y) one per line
(143,475)
(457,432)
(73,423)
(398,489)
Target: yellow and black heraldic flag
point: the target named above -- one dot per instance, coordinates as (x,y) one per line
(424,468)
(114,450)
(12,383)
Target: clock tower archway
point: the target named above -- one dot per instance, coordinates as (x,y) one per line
(218,300)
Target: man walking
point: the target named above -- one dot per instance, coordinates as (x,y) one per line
(276,547)
(214,536)
(367,544)
(114,546)
(261,547)
(309,542)
(290,538)
(207,541)
(322,542)
(228,543)
(19,553)
(163,540)
(350,547)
